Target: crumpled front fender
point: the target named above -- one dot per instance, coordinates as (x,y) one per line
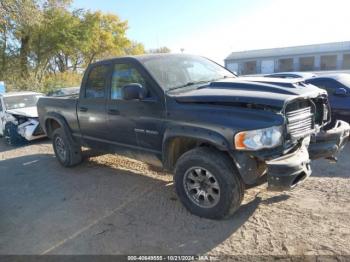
(329,143)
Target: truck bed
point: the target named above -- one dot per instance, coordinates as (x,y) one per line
(65,106)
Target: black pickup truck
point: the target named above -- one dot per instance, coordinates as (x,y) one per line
(217,133)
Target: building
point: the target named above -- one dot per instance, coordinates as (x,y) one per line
(320,57)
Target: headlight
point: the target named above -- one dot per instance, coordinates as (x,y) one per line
(259,139)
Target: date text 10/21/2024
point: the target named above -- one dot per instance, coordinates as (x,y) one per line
(172,258)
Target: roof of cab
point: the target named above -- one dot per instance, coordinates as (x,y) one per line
(335,76)
(143,58)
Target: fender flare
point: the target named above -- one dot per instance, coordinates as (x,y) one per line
(202,135)
(248,168)
(62,122)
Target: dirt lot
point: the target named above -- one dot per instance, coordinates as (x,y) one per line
(112,205)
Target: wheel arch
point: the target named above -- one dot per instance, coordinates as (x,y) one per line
(54,121)
(179,140)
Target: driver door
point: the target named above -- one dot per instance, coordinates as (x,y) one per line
(120,114)
(135,126)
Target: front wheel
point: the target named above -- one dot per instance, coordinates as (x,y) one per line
(67,152)
(208,184)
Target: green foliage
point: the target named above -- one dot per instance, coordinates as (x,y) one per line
(48,83)
(135,48)
(159,50)
(44,44)
(54,81)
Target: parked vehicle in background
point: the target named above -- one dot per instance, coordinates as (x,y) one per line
(67,91)
(19,117)
(285,82)
(338,89)
(187,114)
(292,75)
(2,87)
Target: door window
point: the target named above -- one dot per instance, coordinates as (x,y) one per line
(96,82)
(124,74)
(328,85)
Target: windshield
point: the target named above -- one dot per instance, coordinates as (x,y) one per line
(180,71)
(15,102)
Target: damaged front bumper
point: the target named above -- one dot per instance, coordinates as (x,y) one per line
(287,171)
(31,130)
(328,144)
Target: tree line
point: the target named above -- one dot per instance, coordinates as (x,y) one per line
(45,44)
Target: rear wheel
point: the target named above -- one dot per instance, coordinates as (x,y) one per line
(11,135)
(208,184)
(67,152)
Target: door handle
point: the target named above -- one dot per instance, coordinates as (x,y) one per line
(113,112)
(83,109)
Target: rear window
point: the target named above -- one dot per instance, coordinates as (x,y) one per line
(96,82)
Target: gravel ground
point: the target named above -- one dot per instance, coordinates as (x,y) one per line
(113,205)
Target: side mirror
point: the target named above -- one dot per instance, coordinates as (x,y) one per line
(133,91)
(340,92)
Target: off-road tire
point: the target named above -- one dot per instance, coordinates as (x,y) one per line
(72,151)
(11,135)
(219,164)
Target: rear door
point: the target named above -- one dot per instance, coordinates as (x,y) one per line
(91,107)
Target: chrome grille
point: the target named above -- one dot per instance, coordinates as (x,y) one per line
(300,122)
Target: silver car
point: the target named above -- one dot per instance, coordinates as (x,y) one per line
(19,117)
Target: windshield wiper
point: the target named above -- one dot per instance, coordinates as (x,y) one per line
(189,84)
(196,83)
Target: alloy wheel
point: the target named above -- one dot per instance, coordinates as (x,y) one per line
(201,187)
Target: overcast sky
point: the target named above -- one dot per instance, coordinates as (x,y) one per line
(214,28)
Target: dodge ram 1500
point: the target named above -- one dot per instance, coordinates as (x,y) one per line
(217,133)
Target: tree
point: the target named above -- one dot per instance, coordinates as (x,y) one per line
(163,49)
(21,16)
(4,36)
(59,41)
(135,48)
(104,35)
(41,40)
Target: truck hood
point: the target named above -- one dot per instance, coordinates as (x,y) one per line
(26,111)
(238,91)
